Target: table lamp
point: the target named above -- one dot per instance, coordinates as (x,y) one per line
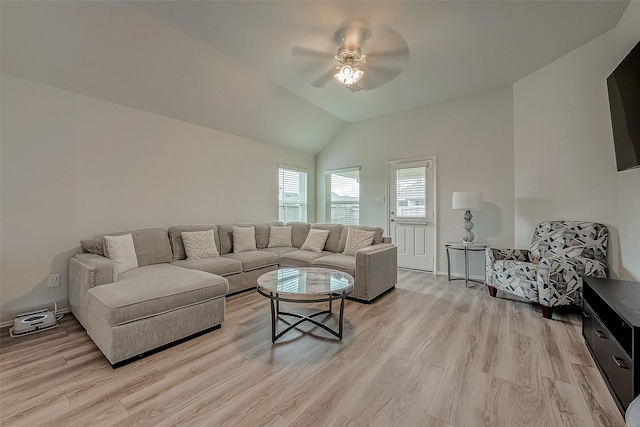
(467,201)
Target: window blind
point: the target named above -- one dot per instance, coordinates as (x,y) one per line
(292,195)
(411,192)
(344,200)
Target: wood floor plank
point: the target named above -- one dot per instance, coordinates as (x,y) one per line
(528,406)
(429,353)
(489,404)
(554,362)
(566,404)
(601,405)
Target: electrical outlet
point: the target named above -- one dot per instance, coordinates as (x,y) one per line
(54,280)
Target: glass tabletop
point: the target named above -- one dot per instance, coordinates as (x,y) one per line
(305,281)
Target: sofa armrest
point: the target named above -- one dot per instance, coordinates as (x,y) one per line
(560,279)
(87,270)
(376,271)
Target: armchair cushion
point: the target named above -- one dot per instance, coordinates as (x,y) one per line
(516,277)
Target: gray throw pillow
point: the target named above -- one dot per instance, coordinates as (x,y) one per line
(279,237)
(121,251)
(357,239)
(316,240)
(244,239)
(199,244)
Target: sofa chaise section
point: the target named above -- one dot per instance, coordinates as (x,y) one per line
(145,308)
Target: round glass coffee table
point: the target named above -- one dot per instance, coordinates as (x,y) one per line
(304,285)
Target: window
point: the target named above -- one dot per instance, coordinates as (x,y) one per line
(411,192)
(343,196)
(292,195)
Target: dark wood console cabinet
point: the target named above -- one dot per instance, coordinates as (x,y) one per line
(611,329)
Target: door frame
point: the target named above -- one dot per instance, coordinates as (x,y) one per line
(396,162)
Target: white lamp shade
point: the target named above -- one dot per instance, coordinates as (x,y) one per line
(467,200)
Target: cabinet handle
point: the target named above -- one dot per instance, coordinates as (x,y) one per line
(601,334)
(619,362)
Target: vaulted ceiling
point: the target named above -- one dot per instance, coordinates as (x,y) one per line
(228,65)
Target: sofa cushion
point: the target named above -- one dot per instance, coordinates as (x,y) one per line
(175,237)
(217,265)
(356,240)
(279,251)
(253,260)
(334,235)
(346,263)
(120,250)
(377,237)
(151,244)
(199,244)
(299,231)
(152,290)
(300,258)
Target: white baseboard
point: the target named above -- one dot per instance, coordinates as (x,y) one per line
(10,322)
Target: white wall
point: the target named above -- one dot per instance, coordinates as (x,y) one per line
(473,141)
(74,166)
(564,156)
(628,185)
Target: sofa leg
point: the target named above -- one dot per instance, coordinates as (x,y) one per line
(547,312)
(492,291)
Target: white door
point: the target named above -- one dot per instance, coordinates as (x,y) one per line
(411,213)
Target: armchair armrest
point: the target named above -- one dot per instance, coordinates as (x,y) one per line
(376,270)
(494,254)
(560,278)
(87,270)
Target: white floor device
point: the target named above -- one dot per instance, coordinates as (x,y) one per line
(35,321)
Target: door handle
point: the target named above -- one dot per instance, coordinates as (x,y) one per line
(393,220)
(619,362)
(601,334)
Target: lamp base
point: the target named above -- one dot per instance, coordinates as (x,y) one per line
(468,235)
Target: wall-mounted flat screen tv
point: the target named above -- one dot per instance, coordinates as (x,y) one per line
(624,104)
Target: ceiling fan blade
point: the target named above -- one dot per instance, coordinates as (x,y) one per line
(399,55)
(377,76)
(355,87)
(314,53)
(323,79)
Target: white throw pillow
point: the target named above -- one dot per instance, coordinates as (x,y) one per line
(279,237)
(199,244)
(315,240)
(357,239)
(244,239)
(121,251)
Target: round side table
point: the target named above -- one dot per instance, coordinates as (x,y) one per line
(466,248)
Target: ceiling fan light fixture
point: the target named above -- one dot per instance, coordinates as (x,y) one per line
(349,74)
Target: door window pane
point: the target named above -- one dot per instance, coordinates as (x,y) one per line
(411,192)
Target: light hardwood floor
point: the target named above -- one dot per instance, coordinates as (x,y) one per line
(429,353)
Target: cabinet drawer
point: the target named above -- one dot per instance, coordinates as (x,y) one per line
(621,374)
(587,324)
(600,345)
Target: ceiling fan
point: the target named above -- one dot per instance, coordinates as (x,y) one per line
(352,67)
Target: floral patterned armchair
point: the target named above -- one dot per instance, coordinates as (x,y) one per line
(550,272)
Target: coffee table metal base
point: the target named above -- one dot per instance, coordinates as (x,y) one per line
(276,314)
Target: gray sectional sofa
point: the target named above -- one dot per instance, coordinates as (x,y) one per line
(169,297)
